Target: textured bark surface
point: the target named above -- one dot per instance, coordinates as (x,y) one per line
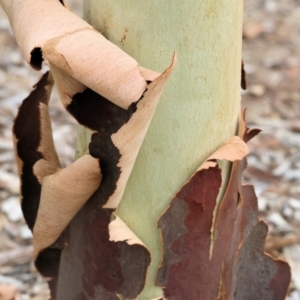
(230,263)
(102,269)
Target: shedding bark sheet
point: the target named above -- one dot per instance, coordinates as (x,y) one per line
(31,123)
(106,91)
(51,196)
(48,30)
(121,266)
(118,134)
(111,269)
(63,194)
(235,267)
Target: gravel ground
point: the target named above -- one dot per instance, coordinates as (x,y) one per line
(271,53)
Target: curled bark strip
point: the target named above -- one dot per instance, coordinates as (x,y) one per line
(50,196)
(63,194)
(48,30)
(34,145)
(118,133)
(32,119)
(119,117)
(237,252)
(108,92)
(130,136)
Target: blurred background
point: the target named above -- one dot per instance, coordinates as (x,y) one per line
(271,53)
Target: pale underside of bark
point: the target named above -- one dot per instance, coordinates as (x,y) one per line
(94,65)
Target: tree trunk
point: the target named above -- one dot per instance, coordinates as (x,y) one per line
(170,220)
(197,113)
(199,109)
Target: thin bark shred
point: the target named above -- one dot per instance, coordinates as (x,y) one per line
(231,263)
(243,77)
(106,91)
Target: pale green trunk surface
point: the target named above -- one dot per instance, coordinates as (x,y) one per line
(198,110)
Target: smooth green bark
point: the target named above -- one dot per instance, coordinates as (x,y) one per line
(199,109)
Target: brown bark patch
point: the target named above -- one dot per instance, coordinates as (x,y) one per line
(107,268)
(257,275)
(183,231)
(99,114)
(223,259)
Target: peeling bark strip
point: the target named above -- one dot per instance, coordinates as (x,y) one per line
(106,91)
(48,192)
(110,269)
(271,275)
(53,34)
(118,133)
(99,114)
(28,121)
(118,267)
(191,209)
(64,191)
(237,249)
(33,144)
(44,185)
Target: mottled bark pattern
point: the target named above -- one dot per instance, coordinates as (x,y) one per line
(99,114)
(233,265)
(107,268)
(186,237)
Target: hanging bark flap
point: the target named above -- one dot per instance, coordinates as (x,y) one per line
(233,149)
(109,270)
(255,274)
(63,194)
(48,30)
(128,139)
(186,226)
(118,133)
(246,219)
(33,143)
(237,217)
(50,196)
(245,133)
(213,271)
(34,146)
